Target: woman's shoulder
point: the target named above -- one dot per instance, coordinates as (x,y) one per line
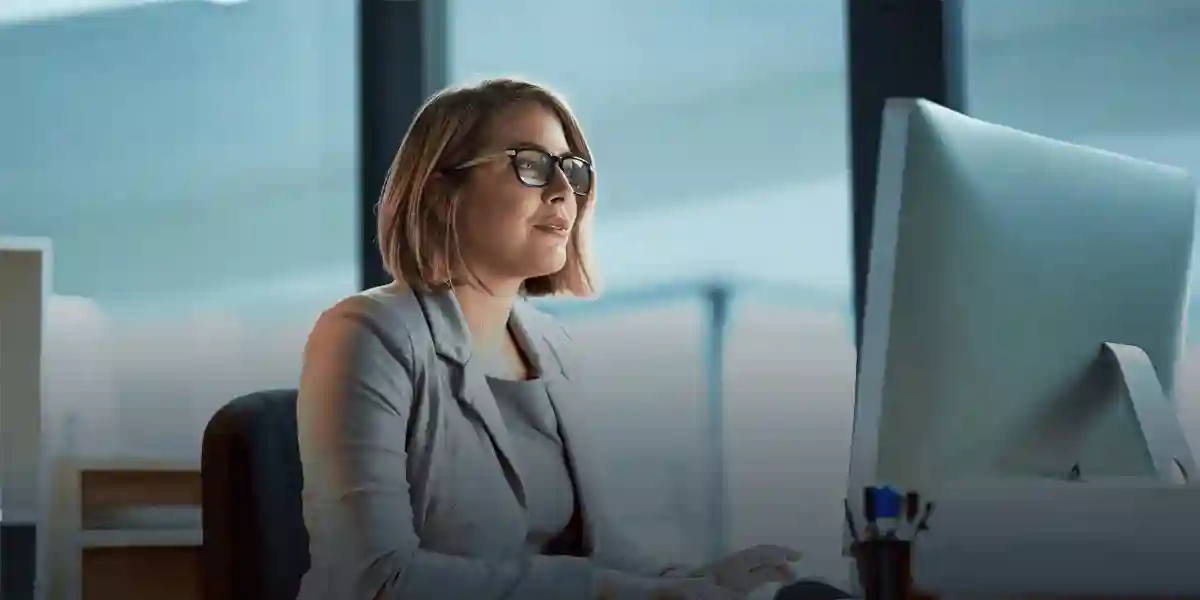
(392,302)
(390,313)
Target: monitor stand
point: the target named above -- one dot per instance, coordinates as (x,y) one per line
(1156,416)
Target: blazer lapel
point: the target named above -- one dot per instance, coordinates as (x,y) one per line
(575,449)
(469,383)
(473,391)
(562,393)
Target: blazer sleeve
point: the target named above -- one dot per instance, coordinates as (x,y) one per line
(356,393)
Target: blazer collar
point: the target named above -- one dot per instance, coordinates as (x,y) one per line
(538,335)
(452,338)
(447,325)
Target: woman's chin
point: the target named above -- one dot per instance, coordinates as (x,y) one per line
(549,265)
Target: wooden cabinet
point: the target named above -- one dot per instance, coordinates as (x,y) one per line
(128,530)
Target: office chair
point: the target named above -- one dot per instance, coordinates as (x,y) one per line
(255,542)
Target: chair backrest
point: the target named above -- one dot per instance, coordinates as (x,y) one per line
(255,542)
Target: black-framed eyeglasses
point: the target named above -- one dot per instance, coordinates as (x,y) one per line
(534,167)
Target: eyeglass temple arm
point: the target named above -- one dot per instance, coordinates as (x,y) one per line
(483,159)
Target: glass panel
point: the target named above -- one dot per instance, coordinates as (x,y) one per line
(789,397)
(716,163)
(195,168)
(644,403)
(1122,76)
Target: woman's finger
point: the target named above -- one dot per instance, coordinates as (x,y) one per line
(780,573)
(771,554)
(787,573)
(788,554)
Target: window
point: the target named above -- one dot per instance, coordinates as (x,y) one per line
(646,402)
(196,171)
(1121,76)
(790,397)
(719,130)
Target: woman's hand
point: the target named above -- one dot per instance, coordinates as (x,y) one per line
(745,570)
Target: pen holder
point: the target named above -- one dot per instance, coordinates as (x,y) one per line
(884,569)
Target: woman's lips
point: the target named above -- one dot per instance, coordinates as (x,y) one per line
(554,229)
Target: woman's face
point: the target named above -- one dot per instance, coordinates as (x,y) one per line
(509,231)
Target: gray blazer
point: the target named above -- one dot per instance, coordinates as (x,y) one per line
(409,490)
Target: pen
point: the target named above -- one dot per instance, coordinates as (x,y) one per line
(924,524)
(912,506)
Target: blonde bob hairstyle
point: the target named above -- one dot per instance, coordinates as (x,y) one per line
(418,208)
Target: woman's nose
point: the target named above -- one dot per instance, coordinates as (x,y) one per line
(559,189)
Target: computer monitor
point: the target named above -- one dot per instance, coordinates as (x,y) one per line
(1023,308)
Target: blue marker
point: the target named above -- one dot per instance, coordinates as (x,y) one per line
(887,510)
(871,532)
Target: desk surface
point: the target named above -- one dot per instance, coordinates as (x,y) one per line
(1062,539)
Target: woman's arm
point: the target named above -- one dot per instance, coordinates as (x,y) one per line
(355,398)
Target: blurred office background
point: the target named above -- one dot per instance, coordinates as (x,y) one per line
(196,166)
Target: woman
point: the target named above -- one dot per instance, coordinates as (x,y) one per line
(442,452)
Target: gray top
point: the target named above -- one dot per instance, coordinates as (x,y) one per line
(533,427)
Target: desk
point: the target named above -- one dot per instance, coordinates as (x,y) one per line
(1116,538)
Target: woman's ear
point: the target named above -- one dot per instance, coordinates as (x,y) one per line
(438,184)
(443,182)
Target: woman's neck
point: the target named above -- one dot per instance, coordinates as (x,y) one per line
(486,313)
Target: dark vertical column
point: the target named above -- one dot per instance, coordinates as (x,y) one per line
(719,298)
(402,59)
(954,55)
(909,48)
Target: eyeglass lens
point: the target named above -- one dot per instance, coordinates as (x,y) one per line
(536,168)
